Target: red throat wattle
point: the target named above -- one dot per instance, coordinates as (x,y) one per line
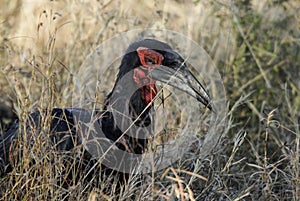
(149,59)
(146,85)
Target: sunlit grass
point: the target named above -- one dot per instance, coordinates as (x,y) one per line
(256,48)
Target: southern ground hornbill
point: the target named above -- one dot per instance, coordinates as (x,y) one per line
(144,63)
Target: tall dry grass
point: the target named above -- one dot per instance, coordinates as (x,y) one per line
(255,45)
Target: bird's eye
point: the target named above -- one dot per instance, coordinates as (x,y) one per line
(149,57)
(149,61)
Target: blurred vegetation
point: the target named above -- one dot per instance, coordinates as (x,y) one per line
(256,46)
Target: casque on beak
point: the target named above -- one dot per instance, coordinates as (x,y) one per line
(177,75)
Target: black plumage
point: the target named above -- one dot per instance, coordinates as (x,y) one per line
(144,62)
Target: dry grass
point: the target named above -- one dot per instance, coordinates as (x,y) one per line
(256,46)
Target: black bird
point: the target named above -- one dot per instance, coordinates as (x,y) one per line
(144,63)
(7,116)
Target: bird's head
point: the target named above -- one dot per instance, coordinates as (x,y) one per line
(151,61)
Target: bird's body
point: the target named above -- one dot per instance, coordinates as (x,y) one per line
(144,63)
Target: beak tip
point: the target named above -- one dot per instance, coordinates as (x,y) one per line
(209,106)
(206,103)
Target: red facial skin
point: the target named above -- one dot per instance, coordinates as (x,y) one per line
(149,59)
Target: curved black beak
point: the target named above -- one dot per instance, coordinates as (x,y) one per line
(178,75)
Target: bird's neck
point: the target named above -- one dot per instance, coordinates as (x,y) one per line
(124,107)
(132,98)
